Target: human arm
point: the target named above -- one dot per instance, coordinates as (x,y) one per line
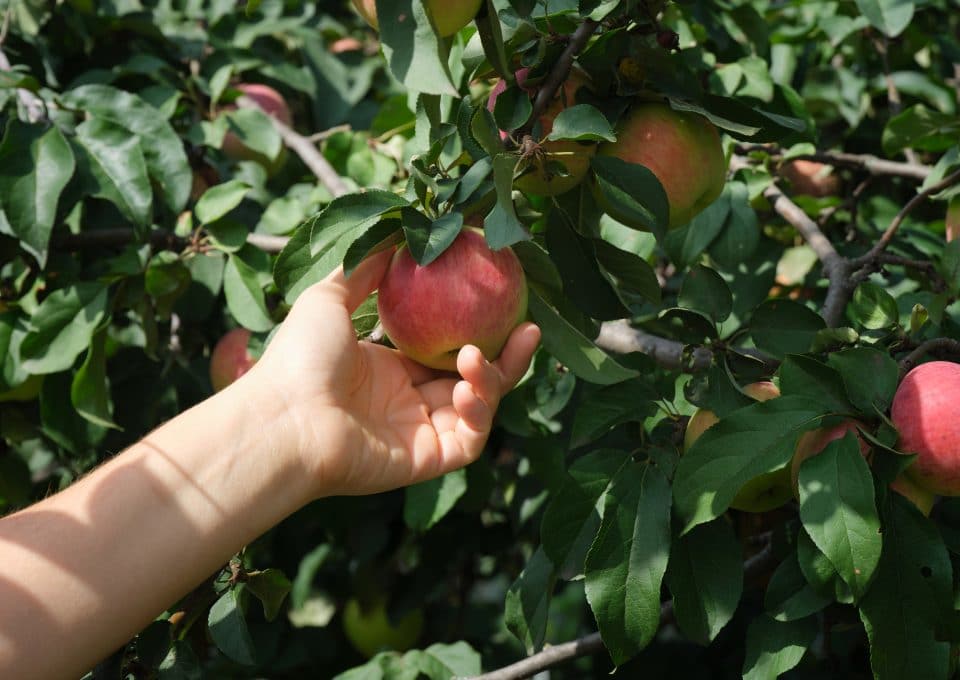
(320,414)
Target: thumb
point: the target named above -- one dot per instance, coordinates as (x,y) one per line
(363,280)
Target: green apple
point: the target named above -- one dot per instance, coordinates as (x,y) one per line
(370,630)
(764,492)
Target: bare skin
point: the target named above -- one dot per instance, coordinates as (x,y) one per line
(319,415)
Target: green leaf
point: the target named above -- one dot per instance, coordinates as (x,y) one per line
(685,244)
(888,16)
(270,587)
(228,628)
(838,511)
(751,441)
(528,602)
(789,596)
(90,391)
(814,380)
(911,590)
(512,108)
(245,298)
(416,55)
(491,39)
(220,199)
(62,327)
(162,148)
(820,572)
(705,577)
(380,236)
(873,307)
(741,232)
(582,122)
(704,290)
(501,226)
(601,411)
(428,502)
(111,166)
(781,327)
(569,346)
(428,239)
(626,563)
(255,130)
(572,517)
(920,128)
(774,647)
(631,194)
(950,261)
(180,663)
(35,166)
(347,213)
(869,375)
(632,273)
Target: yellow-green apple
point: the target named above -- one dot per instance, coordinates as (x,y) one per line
(370,631)
(448,16)
(231,358)
(813,442)
(764,492)
(271,103)
(811,178)
(924,412)
(469,295)
(542,163)
(953,218)
(681,148)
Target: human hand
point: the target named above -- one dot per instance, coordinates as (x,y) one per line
(363,418)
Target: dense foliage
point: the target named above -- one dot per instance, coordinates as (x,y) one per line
(132,237)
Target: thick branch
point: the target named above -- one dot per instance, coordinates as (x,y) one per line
(559,72)
(592,644)
(621,337)
(307,152)
(808,229)
(946,345)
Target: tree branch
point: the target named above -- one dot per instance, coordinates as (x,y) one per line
(307,152)
(867,162)
(559,72)
(947,345)
(621,337)
(592,644)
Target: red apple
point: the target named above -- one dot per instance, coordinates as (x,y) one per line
(273,104)
(924,412)
(230,358)
(541,179)
(810,178)
(813,442)
(468,295)
(765,492)
(448,16)
(681,148)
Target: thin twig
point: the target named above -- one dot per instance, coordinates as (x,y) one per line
(326,134)
(869,163)
(621,337)
(947,345)
(559,72)
(592,644)
(308,153)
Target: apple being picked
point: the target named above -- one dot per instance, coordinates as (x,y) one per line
(924,411)
(469,295)
(764,492)
(448,16)
(681,148)
(230,358)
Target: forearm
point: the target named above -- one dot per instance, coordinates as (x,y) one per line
(87,568)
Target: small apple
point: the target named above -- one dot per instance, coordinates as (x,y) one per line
(953,218)
(370,631)
(273,104)
(810,178)
(924,412)
(813,442)
(448,16)
(541,177)
(681,148)
(230,358)
(469,295)
(764,492)
(345,44)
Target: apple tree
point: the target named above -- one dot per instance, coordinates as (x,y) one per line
(741,215)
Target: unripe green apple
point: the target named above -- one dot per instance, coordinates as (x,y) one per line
(370,631)
(273,104)
(764,492)
(924,411)
(448,16)
(813,442)
(230,358)
(681,148)
(542,179)
(469,295)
